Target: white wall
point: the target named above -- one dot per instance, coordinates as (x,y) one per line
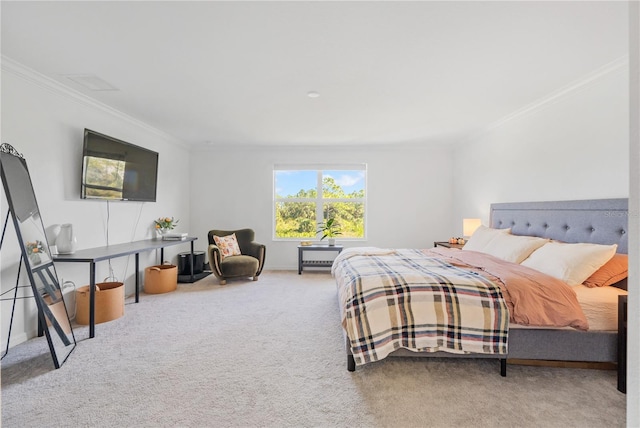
(409,197)
(45,123)
(571,146)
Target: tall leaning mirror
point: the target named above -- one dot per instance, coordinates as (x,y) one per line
(23,207)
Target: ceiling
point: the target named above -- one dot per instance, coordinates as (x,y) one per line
(386,72)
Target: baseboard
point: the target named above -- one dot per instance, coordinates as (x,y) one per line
(17,339)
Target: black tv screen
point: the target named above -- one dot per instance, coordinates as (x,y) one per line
(116,170)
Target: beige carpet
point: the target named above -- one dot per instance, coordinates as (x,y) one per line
(270,354)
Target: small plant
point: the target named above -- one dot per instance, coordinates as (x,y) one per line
(329,229)
(165,223)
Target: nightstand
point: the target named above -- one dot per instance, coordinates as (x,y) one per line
(315,263)
(622,343)
(447,245)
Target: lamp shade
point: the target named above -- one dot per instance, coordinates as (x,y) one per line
(469,225)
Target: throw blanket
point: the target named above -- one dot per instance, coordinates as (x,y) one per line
(534,298)
(405,299)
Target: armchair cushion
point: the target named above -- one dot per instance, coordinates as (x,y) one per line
(228,245)
(235,266)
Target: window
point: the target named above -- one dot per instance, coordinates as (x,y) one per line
(308,195)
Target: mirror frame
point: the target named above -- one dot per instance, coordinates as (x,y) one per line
(53,317)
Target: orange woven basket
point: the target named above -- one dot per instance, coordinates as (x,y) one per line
(160,279)
(109,302)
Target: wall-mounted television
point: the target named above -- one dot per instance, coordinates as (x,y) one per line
(115,170)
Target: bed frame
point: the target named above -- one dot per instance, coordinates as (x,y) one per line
(599,221)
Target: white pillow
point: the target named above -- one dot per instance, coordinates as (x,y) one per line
(513,248)
(572,263)
(482,236)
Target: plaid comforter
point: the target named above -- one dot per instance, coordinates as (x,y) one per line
(394,299)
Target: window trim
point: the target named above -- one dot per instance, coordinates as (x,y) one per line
(319,200)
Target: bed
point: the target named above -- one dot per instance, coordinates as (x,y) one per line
(601,221)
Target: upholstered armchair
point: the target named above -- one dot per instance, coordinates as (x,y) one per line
(247,264)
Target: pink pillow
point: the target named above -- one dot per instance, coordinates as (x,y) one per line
(228,245)
(611,272)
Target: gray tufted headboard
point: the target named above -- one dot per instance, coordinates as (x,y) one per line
(598,221)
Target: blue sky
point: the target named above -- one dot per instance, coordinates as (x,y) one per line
(290,182)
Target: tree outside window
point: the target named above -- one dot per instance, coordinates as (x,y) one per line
(305,197)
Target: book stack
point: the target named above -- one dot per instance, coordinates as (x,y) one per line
(174,236)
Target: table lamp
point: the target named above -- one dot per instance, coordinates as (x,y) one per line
(469,225)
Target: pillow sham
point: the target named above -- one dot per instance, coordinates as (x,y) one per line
(611,272)
(228,245)
(571,263)
(482,236)
(513,248)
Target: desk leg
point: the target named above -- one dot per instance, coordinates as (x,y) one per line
(137,277)
(191,262)
(92,300)
(299,261)
(40,329)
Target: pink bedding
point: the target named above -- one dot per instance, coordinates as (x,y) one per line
(533,298)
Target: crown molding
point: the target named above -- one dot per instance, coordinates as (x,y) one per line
(36,78)
(560,94)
